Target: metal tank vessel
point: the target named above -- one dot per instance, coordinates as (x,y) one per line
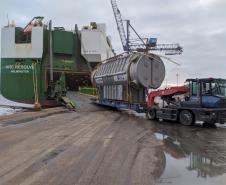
(128,77)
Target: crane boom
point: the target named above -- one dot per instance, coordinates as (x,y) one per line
(170,49)
(140,44)
(120,26)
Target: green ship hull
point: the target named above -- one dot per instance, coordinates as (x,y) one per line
(26,68)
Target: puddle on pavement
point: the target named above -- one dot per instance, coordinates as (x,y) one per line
(191,159)
(194,155)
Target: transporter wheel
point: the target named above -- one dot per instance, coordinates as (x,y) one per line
(186,118)
(151,114)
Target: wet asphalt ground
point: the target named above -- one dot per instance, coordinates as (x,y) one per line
(98,146)
(93,146)
(192,155)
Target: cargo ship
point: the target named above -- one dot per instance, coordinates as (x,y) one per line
(40,62)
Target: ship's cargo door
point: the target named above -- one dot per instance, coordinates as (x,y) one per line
(73,80)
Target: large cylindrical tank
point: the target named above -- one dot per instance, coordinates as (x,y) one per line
(127,77)
(144,70)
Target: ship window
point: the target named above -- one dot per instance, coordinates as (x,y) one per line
(21,36)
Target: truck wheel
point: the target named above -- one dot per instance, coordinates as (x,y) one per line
(151,114)
(186,118)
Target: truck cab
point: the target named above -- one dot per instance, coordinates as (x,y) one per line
(203,100)
(206,93)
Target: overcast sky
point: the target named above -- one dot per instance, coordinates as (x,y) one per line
(198,25)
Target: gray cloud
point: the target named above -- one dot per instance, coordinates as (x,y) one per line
(198,25)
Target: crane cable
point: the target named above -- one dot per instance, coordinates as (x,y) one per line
(161,56)
(168,59)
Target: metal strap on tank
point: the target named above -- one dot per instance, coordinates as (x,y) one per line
(128,77)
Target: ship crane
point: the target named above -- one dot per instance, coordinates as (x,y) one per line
(140,44)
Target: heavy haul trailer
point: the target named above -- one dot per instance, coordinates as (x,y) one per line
(39,62)
(200,100)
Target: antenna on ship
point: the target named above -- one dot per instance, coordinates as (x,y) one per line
(7,15)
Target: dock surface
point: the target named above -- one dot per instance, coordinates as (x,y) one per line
(100,147)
